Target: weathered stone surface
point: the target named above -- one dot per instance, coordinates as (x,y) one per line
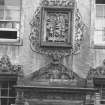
(32,61)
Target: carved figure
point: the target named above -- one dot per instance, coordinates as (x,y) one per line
(97,72)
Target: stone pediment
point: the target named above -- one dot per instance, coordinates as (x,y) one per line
(54,74)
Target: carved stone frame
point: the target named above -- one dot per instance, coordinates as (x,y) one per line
(70,12)
(54,50)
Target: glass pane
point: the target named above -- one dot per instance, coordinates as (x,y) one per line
(12,2)
(12,93)
(4,101)
(100,23)
(12,83)
(8,25)
(8,34)
(4,84)
(98,36)
(1,14)
(11,101)
(4,92)
(1,2)
(100,1)
(2,24)
(12,15)
(103,35)
(99,10)
(103,94)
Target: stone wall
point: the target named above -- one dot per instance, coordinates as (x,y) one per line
(32,61)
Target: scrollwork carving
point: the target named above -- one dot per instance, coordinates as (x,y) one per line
(61,3)
(6,66)
(80,28)
(96,72)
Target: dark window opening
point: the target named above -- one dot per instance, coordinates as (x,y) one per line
(1,2)
(102,102)
(100,1)
(8,34)
(7,92)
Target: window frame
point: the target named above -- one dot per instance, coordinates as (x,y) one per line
(18,40)
(9,78)
(93,38)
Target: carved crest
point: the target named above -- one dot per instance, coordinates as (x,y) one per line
(6,66)
(36,30)
(59,34)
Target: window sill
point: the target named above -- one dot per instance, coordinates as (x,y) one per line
(97,45)
(11,42)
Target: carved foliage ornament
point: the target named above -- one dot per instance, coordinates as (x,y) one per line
(80,29)
(6,66)
(54,71)
(54,74)
(57,35)
(96,72)
(62,3)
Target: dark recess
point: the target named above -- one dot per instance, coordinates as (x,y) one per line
(8,34)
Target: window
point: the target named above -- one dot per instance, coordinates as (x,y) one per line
(9,19)
(100,22)
(7,92)
(99,36)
